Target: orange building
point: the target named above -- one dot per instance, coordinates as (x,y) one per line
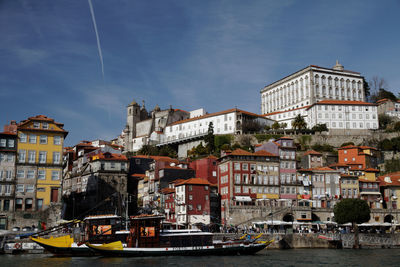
(358,157)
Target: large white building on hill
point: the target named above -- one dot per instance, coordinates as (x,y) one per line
(310,85)
(334,97)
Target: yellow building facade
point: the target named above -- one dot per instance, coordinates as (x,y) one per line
(39,165)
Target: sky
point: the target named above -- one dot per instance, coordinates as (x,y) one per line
(189,54)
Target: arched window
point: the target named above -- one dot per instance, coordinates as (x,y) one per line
(323,80)
(342,83)
(316,79)
(336,82)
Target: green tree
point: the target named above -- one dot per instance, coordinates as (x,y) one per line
(354,211)
(209,138)
(148,150)
(382,94)
(385,145)
(320,128)
(283,125)
(299,123)
(167,151)
(384,121)
(251,126)
(275,125)
(367,90)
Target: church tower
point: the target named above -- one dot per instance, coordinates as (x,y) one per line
(132,117)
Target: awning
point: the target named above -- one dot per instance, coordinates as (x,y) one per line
(243,198)
(370,193)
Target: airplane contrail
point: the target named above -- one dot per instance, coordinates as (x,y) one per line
(97,37)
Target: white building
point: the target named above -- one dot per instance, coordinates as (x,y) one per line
(310,85)
(336,114)
(232,121)
(340,114)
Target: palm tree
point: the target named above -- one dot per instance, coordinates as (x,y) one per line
(299,123)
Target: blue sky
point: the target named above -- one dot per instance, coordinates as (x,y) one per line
(185,53)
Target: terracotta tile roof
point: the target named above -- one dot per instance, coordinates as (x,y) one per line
(177,181)
(196,181)
(241,152)
(394,179)
(312,152)
(140,175)
(265,153)
(167,190)
(382,100)
(216,114)
(177,109)
(8,133)
(110,156)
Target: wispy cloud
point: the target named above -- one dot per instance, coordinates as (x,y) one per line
(28,57)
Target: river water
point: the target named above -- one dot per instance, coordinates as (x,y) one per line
(296,257)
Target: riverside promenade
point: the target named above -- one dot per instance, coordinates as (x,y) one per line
(317,240)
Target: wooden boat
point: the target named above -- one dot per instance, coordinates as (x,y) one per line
(147,239)
(98,230)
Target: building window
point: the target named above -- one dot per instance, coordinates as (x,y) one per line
(20,174)
(6,205)
(18,203)
(55,175)
(32,139)
(10,142)
(30,174)
(20,188)
(113,167)
(41,174)
(199,207)
(31,156)
(29,188)
(21,156)
(28,203)
(237,189)
(36,125)
(57,140)
(45,125)
(3,142)
(22,138)
(237,166)
(56,157)
(190,207)
(206,187)
(43,139)
(42,157)
(206,197)
(39,204)
(190,197)
(245,166)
